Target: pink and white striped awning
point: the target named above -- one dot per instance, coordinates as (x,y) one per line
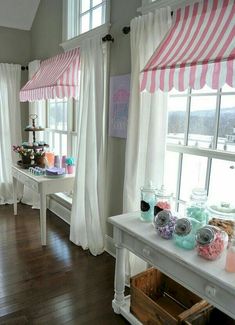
(57,77)
(198,50)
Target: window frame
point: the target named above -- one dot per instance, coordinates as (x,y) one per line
(71,131)
(66,37)
(209,153)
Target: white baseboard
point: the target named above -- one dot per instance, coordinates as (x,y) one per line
(62,209)
(109,246)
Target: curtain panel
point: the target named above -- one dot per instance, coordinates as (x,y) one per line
(88,215)
(147,120)
(10,126)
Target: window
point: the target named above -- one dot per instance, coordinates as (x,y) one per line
(61,126)
(201,143)
(85,15)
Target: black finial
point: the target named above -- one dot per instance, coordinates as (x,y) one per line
(126,30)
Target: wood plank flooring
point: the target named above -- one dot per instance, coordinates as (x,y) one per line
(56,284)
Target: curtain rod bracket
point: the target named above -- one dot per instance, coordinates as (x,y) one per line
(126,30)
(108,38)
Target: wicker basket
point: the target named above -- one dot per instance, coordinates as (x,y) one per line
(157,299)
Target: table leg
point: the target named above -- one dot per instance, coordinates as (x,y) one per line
(119,283)
(15,195)
(43,218)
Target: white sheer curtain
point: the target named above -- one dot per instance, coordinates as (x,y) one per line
(10,126)
(38,107)
(88,210)
(147,121)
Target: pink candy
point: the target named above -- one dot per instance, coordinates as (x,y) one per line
(164,205)
(213,250)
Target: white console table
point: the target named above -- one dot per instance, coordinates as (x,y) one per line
(207,279)
(43,186)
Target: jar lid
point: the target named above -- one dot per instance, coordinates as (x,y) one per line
(198,194)
(205,235)
(183,227)
(162,192)
(162,218)
(148,187)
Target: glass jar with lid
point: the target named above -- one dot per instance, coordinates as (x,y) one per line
(147,203)
(163,200)
(230,258)
(184,233)
(211,242)
(164,223)
(197,207)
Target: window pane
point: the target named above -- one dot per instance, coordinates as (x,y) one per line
(226,88)
(193,174)
(52,115)
(176,119)
(96,2)
(85,23)
(171,171)
(57,115)
(227,123)
(97,17)
(204,90)
(64,144)
(222,181)
(57,144)
(85,5)
(202,121)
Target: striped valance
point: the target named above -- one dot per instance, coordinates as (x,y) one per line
(198,50)
(57,77)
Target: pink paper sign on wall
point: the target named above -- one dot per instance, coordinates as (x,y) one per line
(118,105)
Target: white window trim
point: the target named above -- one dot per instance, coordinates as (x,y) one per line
(197,151)
(95,32)
(208,153)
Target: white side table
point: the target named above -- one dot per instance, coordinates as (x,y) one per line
(207,279)
(43,186)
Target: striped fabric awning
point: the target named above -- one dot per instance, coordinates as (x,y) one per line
(57,77)
(198,50)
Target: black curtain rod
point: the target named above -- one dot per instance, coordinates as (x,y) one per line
(23,68)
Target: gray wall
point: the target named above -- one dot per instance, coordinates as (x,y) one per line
(122,12)
(15,48)
(46,31)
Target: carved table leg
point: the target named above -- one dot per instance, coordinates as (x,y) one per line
(119,283)
(43,220)
(15,195)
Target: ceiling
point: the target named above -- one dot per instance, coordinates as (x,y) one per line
(18,13)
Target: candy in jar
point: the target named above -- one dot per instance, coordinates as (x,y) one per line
(163,200)
(197,208)
(164,223)
(211,241)
(184,233)
(148,200)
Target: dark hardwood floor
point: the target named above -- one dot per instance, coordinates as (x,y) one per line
(56,284)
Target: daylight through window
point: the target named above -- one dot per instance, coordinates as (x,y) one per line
(201,143)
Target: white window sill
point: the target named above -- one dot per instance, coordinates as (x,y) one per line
(76,41)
